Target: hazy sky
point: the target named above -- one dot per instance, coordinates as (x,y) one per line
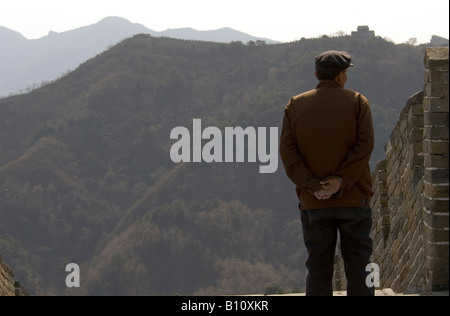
(282,20)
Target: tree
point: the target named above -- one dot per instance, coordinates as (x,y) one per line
(412,41)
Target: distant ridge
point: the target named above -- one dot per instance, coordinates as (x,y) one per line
(25,63)
(223,35)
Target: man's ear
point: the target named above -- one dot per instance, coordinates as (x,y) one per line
(339,79)
(317,75)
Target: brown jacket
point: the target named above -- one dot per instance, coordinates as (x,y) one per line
(327,132)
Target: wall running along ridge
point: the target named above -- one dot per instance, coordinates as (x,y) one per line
(411,201)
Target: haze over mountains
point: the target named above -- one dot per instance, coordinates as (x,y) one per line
(25,64)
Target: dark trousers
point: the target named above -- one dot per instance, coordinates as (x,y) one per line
(320,229)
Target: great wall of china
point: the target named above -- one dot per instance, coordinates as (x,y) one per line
(411,201)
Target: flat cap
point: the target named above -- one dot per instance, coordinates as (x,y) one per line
(333,60)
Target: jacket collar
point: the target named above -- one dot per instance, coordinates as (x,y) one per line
(327,84)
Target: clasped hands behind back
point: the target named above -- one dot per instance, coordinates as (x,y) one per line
(330,186)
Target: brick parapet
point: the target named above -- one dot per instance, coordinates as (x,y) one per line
(410,202)
(436,177)
(6,280)
(9,286)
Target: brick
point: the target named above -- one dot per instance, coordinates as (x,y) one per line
(435,235)
(381,165)
(434,104)
(436,221)
(416,159)
(435,132)
(384,199)
(437,252)
(416,109)
(440,75)
(435,147)
(436,176)
(435,89)
(416,147)
(385,231)
(381,187)
(415,135)
(416,122)
(435,205)
(436,58)
(439,281)
(435,191)
(436,161)
(435,118)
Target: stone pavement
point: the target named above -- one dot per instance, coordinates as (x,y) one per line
(381,292)
(389,292)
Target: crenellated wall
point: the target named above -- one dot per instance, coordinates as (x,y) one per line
(436,177)
(411,201)
(8,285)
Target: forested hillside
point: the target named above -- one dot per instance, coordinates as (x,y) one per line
(86,175)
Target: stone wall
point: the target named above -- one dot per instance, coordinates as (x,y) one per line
(436,178)
(410,205)
(8,285)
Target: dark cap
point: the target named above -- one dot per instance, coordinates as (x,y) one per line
(333,60)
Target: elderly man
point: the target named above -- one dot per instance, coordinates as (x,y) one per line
(326,142)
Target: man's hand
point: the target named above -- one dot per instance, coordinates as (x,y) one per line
(329,187)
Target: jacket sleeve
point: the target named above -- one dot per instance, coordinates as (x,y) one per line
(357,159)
(296,169)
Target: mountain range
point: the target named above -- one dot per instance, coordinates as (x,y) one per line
(26,64)
(86,175)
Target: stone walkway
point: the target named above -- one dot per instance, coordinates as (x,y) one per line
(383,292)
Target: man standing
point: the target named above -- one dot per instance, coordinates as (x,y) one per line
(326,142)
